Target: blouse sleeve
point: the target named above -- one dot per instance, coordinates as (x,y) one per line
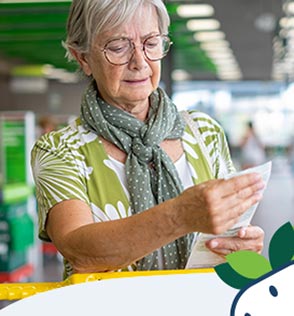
(58,174)
(216,143)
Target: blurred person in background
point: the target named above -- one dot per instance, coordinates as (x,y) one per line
(127,185)
(252,149)
(47,123)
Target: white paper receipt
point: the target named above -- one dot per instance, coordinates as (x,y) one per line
(202,257)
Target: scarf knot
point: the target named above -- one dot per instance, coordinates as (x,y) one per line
(144,153)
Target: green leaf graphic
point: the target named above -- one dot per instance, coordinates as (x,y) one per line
(281,247)
(249,264)
(231,277)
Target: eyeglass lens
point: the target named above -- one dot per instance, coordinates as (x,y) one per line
(120,51)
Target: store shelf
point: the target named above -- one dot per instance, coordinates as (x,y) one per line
(18,275)
(15,192)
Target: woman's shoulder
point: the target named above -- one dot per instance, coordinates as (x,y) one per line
(53,139)
(71,135)
(204,121)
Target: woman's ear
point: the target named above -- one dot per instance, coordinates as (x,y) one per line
(82,60)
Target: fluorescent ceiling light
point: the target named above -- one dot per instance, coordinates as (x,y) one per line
(195,10)
(230,74)
(215,45)
(290,33)
(218,51)
(209,36)
(220,54)
(287,22)
(180,75)
(225,63)
(230,77)
(203,24)
(227,70)
(289,7)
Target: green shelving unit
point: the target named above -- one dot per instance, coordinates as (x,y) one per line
(17,216)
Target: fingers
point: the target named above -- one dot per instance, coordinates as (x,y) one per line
(237,206)
(243,186)
(245,192)
(251,232)
(215,206)
(249,238)
(240,186)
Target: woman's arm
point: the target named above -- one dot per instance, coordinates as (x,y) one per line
(211,207)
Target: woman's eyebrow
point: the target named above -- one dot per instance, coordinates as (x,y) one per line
(119,36)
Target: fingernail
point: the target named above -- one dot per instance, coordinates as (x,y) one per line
(261,184)
(257,176)
(242,232)
(213,244)
(258,196)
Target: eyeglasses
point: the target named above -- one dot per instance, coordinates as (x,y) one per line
(120,51)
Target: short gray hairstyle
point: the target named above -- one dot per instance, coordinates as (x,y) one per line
(88,18)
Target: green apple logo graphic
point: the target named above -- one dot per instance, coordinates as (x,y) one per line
(267,287)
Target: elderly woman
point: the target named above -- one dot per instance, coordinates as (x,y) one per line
(126,185)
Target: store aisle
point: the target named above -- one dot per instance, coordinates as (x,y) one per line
(52,269)
(277,206)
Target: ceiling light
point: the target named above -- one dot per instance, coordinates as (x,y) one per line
(215,45)
(195,10)
(289,8)
(226,63)
(287,22)
(220,54)
(265,22)
(209,36)
(228,68)
(203,24)
(180,75)
(290,33)
(230,76)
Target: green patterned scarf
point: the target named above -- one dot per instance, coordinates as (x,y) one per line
(151,175)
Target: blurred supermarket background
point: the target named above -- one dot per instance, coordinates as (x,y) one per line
(232,59)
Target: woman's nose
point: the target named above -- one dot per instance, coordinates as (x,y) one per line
(138,57)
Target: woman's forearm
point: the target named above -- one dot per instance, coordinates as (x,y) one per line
(115,244)
(211,207)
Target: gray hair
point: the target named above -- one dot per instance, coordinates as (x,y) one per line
(88,18)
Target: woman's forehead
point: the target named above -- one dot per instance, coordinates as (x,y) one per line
(144,16)
(136,26)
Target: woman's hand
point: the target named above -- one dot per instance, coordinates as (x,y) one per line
(248,238)
(215,206)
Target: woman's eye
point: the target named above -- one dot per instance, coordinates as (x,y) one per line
(115,49)
(118,47)
(152,44)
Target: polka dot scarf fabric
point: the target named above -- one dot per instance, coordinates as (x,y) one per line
(151,176)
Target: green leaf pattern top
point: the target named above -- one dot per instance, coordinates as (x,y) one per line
(72,164)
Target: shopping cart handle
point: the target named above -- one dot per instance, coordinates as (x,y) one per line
(17,291)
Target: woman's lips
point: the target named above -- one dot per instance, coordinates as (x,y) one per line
(136,81)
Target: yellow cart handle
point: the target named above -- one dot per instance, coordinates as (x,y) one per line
(16,291)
